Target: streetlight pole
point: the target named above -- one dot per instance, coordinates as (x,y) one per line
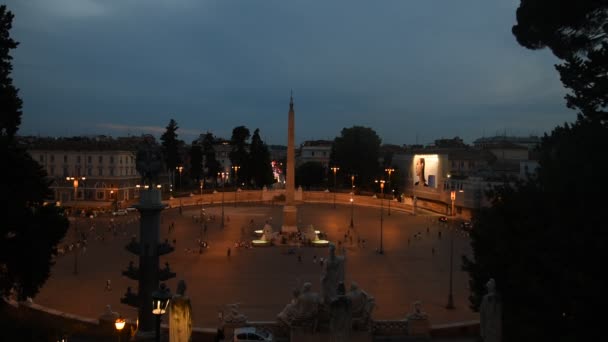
(335,169)
(76,232)
(236,181)
(223,175)
(381,250)
(453,198)
(450,304)
(180,169)
(352,224)
(389,171)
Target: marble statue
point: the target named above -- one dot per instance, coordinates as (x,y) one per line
(233,314)
(417,313)
(303,307)
(180,315)
(333,274)
(362,306)
(491,314)
(340,315)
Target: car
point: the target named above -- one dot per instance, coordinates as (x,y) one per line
(466,226)
(443,219)
(252,334)
(129,209)
(119,212)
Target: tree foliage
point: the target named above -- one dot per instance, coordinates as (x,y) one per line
(196,162)
(576,31)
(170,145)
(541,240)
(212,165)
(30,231)
(310,174)
(10,116)
(356,151)
(259,161)
(239,155)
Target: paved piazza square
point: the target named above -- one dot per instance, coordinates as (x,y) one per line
(415,265)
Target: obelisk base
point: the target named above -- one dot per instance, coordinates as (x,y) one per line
(289,219)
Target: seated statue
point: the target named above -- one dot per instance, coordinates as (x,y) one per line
(304,308)
(180,313)
(333,274)
(417,313)
(362,306)
(233,314)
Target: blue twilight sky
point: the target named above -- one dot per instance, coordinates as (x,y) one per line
(414,71)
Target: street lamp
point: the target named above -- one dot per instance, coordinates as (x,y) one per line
(224,176)
(352,224)
(389,171)
(236,181)
(180,169)
(381,182)
(450,304)
(160,302)
(335,169)
(119,324)
(76,232)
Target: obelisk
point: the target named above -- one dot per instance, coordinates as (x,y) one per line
(289,210)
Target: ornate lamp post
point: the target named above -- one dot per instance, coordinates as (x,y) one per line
(119,324)
(450,304)
(335,169)
(236,181)
(160,302)
(180,169)
(352,200)
(381,182)
(76,231)
(389,171)
(224,176)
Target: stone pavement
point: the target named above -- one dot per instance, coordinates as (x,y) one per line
(261,279)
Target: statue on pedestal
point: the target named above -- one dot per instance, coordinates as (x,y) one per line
(340,315)
(233,315)
(333,274)
(362,307)
(180,313)
(491,314)
(304,307)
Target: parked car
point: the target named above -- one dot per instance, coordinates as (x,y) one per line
(119,212)
(443,219)
(252,334)
(132,209)
(466,226)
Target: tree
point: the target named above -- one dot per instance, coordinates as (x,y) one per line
(239,155)
(170,146)
(576,31)
(212,165)
(10,117)
(30,230)
(259,161)
(357,151)
(196,162)
(310,174)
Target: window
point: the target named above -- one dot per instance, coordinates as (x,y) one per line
(111,159)
(65,171)
(120,160)
(100,195)
(89,158)
(52,171)
(90,171)
(65,159)
(100,171)
(111,170)
(52,158)
(100,159)
(42,158)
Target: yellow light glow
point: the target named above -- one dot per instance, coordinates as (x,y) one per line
(120,323)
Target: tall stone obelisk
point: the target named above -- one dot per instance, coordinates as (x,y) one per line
(289,210)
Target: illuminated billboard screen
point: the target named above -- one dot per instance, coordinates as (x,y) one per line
(425,170)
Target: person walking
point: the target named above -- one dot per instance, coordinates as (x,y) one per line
(108,285)
(228,252)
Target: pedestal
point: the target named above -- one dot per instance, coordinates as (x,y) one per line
(289,219)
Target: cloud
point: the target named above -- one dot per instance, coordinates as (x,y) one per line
(155,130)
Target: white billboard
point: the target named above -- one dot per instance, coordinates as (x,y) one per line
(425,170)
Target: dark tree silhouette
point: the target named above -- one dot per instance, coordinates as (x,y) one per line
(30,230)
(212,165)
(170,146)
(310,174)
(239,155)
(357,151)
(196,162)
(259,161)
